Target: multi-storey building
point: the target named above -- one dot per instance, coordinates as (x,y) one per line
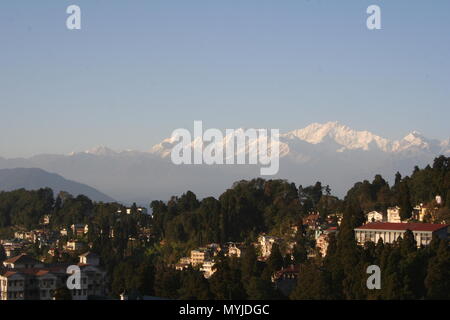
(393,215)
(199,256)
(26,278)
(390,232)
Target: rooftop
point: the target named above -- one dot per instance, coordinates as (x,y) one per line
(22,258)
(402,226)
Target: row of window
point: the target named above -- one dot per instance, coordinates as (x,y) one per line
(425,237)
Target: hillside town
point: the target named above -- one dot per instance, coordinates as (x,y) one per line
(27,277)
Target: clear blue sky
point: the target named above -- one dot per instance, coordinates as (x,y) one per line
(139,69)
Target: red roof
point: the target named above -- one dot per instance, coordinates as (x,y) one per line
(289,270)
(403,226)
(22,258)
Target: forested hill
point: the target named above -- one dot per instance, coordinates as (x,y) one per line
(34,179)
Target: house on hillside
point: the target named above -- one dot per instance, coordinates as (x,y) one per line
(89,258)
(285,279)
(375,216)
(26,278)
(265,244)
(393,215)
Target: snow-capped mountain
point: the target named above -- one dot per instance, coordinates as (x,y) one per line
(331,153)
(342,135)
(333,137)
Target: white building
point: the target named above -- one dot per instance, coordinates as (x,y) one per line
(26,278)
(208,268)
(374,216)
(265,245)
(393,215)
(234,250)
(390,232)
(199,256)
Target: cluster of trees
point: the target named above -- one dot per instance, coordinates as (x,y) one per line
(235,278)
(24,208)
(240,213)
(406,192)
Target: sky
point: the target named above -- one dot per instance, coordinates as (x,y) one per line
(138,69)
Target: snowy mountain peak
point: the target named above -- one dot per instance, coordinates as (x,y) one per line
(100,151)
(331,136)
(415,141)
(335,132)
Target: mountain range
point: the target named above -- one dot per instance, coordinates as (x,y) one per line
(331,153)
(34,178)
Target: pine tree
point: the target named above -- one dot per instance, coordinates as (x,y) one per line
(313,283)
(194,286)
(275,260)
(408,244)
(249,263)
(226,282)
(405,201)
(437,282)
(260,289)
(2,254)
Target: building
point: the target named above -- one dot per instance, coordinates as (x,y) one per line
(214,249)
(30,284)
(183,264)
(12,247)
(393,215)
(138,209)
(312,221)
(208,268)
(323,240)
(89,258)
(390,232)
(30,236)
(74,246)
(93,282)
(26,278)
(199,256)
(285,279)
(79,230)
(46,219)
(53,252)
(265,244)
(375,216)
(234,250)
(22,261)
